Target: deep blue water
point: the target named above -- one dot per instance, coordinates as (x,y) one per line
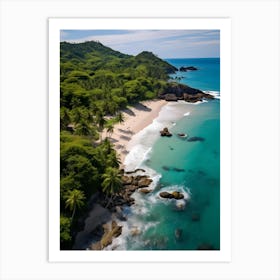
(207,77)
(191,167)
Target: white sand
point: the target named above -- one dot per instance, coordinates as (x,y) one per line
(136,118)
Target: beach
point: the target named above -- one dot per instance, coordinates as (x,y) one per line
(136,118)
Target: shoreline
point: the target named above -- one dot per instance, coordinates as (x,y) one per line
(136,118)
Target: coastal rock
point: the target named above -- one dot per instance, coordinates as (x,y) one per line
(192,98)
(178,90)
(177,195)
(188,68)
(179,169)
(127,180)
(144,182)
(166,168)
(96,246)
(137,178)
(135,231)
(134,171)
(131,188)
(170,97)
(195,139)
(165,132)
(145,191)
(166,195)
(110,232)
(181,134)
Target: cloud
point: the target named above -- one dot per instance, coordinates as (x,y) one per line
(162,42)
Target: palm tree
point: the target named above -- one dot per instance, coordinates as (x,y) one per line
(120,117)
(110,128)
(101,122)
(113,160)
(112,183)
(83,128)
(74,199)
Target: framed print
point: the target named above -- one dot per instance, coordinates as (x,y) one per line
(51,68)
(139,139)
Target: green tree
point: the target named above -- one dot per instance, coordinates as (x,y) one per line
(120,117)
(74,199)
(65,232)
(83,128)
(64,118)
(112,183)
(109,128)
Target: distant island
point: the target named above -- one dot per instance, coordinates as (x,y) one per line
(105,98)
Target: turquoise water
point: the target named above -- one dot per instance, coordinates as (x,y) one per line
(174,163)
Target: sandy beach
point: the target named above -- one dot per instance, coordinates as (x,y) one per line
(136,118)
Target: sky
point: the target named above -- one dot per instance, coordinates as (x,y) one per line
(164,43)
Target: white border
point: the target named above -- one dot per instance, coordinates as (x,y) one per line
(223,255)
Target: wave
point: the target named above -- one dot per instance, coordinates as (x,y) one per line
(216,94)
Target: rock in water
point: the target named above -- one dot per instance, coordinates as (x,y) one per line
(145,191)
(127,180)
(188,68)
(144,182)
(135,231)
(181,134)
(166,168)
(175,195)
(165,132)
(110,233)
(195,138)
(166,195)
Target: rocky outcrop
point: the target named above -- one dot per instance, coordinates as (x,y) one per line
(188,68)
(111,231)
(144,182)
(145,191)
(175,195)
(165,132)
(134,171)
(135,231)
(127,180)
(176,91)
(192,98)
(170,97)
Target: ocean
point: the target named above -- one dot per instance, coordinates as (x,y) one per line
(176,164)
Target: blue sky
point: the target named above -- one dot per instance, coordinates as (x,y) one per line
(164,43)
